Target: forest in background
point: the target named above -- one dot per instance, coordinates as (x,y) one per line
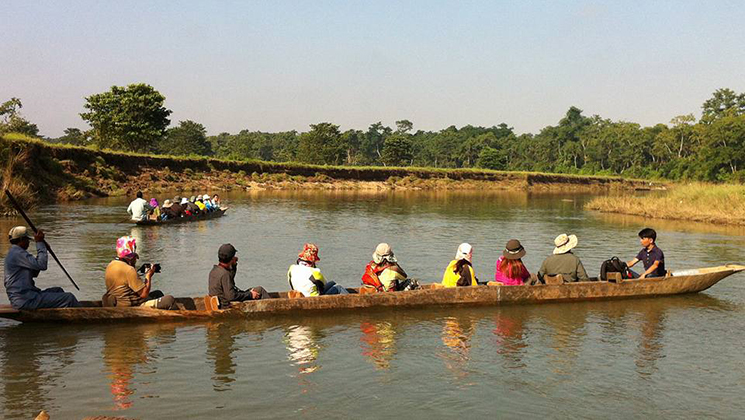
(709,148)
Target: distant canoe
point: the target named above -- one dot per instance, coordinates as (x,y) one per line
(202,216)
(688,281)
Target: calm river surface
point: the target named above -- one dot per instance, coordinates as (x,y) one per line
(677,357)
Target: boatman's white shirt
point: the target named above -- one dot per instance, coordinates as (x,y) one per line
(138,209)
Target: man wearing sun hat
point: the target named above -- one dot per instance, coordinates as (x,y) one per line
(20,269)
(563,261)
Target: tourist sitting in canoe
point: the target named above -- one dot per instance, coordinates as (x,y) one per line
(305,277)
(138,208)
(124,287)
(190,209)
(168,211)
(216,201)
(460,271)
(200,204)
(563,261)
(20,270)
(510,268)
(651,255)
(384,274)
(222,280)
(154,213)
(208,203)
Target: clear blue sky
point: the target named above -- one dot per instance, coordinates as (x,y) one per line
(276,65)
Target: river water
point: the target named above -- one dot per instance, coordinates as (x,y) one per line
(676,357)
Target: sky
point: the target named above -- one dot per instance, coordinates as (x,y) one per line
(283,65)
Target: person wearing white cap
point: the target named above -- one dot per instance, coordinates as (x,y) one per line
(20,269)
(207,202)
(384,274)
(563,261)
(460,270)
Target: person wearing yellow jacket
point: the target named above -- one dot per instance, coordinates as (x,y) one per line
(460,271)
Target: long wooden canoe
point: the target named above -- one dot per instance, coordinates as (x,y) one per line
(687,281)
(185,219)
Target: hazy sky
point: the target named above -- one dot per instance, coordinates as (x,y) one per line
(276,65)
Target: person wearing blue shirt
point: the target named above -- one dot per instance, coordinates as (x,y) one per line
(20,270)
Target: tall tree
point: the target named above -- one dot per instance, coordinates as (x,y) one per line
(320,145)
(11,120)
(130,118)
(189,138)
(397,150)
(723,102)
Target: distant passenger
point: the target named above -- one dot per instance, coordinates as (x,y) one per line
(207,202)
(176,209)
(460,270)
(384,274)
(306,278)
(216,201)
(20,270)
(154,212)
(200,204)
(124,287)
(192,208)
(651,255)
(510,270)
(563,261)
(138,208)
(222,280)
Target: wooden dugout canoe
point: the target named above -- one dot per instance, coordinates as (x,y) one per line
(687,281)
(202,216)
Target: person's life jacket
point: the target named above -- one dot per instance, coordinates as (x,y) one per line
(372,271)
(451,278)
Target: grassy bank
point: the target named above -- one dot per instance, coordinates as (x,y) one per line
(722,204)
(51,173)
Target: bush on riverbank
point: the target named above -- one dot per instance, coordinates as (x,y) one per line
(700,202)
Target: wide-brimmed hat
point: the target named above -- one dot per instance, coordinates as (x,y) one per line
(206,197)
(193,198)
(177,199)
(309,253)
(18,232)
(465,252)
(564,243)
(126,246)
(383,252)
(167,204)
(184,200)
(513,250)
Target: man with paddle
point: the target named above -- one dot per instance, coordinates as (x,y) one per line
(20,270)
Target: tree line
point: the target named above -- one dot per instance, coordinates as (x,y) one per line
(712,148)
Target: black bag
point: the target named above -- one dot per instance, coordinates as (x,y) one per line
(614,265)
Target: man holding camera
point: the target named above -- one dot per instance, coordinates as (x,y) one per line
(124,287)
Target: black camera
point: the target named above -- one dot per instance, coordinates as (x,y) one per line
(145,267)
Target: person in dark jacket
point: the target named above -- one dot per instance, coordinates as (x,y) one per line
(222,280)
(176,209)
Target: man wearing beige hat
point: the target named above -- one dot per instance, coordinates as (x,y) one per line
(563,261)
(20,270)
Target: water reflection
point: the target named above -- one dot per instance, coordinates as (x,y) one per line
(303,343)
(510,336)
(379,342)
(127,348)
(456,336)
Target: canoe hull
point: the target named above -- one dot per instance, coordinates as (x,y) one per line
(194,308)
(185,219)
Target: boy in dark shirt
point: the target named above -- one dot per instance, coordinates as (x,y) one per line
(651,255)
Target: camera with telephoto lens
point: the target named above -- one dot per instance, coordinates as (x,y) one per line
(145,267)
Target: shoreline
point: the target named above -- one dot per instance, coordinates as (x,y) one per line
(54,173)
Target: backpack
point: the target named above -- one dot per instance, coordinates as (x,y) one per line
(614,265)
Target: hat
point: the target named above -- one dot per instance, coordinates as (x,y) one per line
(193,198)
(226,252)
(564,243)
(309,253)
(177,199)
(18,232)
(126,246)
(383,252)
(206,197)
(465,252)
(513,250)
(184,200)
(167,204)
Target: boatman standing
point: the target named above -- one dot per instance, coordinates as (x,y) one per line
(138,208)
(20,270)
